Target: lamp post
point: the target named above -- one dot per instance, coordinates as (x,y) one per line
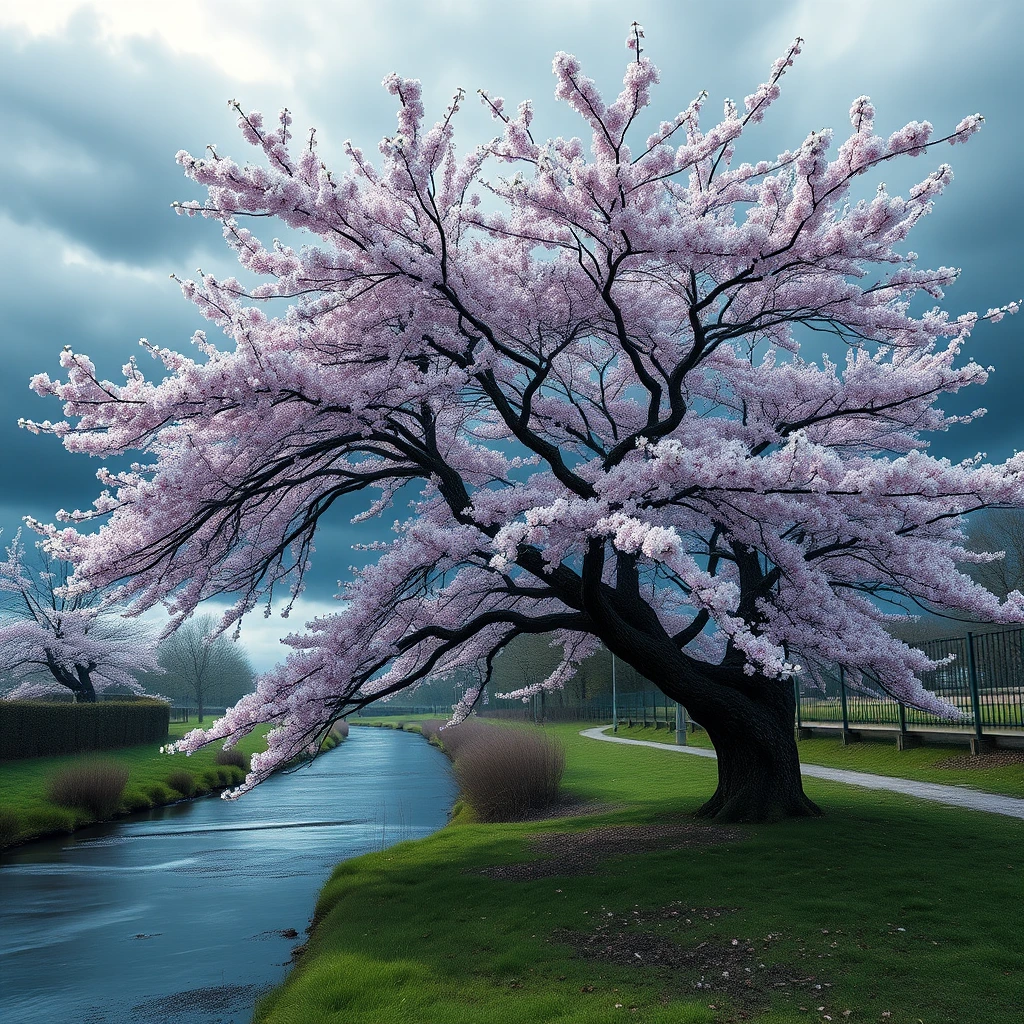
(615,703)
(680,725)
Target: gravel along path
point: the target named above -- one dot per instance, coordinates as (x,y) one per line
(956,796)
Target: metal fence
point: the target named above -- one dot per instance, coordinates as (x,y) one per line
(650,708)
(985,681)
(180,713)
(645,707)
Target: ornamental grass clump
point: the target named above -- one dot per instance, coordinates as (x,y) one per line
(182,782)
(506,774)
(455,737)
(232,757)
(429,729)
(337,733)
(94,786)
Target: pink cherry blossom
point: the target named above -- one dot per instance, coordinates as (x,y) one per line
(589,362)
(55,642)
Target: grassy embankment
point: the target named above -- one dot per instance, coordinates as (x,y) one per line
(988,773)
(26,811)
(901,911)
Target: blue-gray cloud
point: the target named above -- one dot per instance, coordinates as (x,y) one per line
(91,132)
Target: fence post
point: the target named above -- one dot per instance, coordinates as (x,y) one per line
(801,733)
(847,735)
(905,740)
(978,740)
(615,703)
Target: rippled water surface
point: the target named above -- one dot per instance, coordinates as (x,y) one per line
(183,915)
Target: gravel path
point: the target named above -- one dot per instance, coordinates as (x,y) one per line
(956,796)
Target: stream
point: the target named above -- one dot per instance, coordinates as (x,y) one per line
(188,913)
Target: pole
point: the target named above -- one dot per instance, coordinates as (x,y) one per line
(972,678)
(615,702)
(680,725)
(842,695)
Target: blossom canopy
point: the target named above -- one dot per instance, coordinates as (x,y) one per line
(589,366)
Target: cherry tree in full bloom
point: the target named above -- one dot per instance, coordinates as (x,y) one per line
(56,642)
(586,361)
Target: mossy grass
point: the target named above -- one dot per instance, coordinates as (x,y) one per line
(880,757)
(902,911)
(24,797)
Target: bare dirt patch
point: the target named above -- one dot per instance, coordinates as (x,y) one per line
(573,807)
(578,853)
(718,966)
(990,759)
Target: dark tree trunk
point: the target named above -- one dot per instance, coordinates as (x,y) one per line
(749,718)
(85,692)
(758,763)
(750,721)
(79,682)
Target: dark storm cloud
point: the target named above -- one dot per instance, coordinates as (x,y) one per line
(99,309)
(91,141)
(91,129)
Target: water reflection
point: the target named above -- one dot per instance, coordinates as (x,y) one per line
(185,914)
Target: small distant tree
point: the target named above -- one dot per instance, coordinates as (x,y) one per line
(525,663)
(996,536)
(51,640)
(600,371)
(203,667)
(995,530)
(530,659)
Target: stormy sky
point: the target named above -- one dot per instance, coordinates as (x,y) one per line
(96,98)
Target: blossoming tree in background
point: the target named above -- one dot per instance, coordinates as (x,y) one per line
(591,375)
(54,642)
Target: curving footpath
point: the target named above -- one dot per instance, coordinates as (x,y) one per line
(956,796)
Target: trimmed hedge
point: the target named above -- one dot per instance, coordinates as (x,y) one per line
(51,728)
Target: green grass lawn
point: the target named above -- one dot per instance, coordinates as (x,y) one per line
(881,758)
(902,911)
(23,783)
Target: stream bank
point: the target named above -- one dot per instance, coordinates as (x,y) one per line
(187,913)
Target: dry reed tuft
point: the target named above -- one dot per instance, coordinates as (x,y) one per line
(429,728)
(234,757)
(507,774)
(455,737)
(182,782)
(96,786)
